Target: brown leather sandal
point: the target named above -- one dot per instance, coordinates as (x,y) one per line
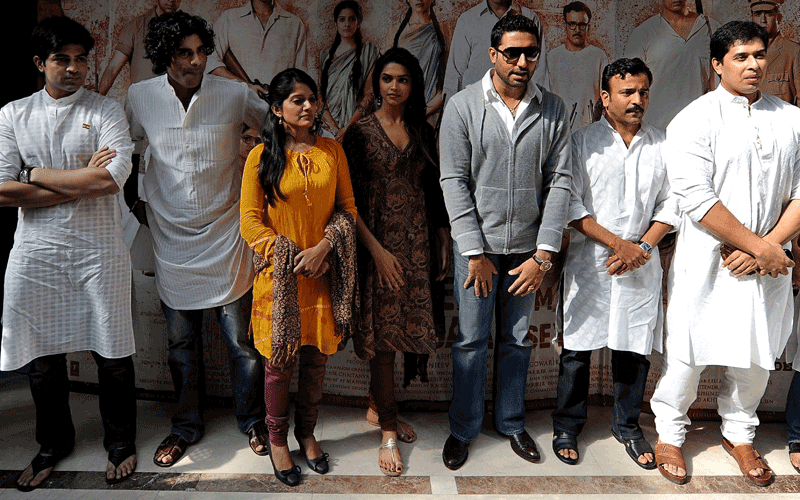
(748,459)
(667,454)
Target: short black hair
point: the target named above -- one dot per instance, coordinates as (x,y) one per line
(623,67)
(510,24)
(55,32)
(735,32)
(166,32)
(577,7)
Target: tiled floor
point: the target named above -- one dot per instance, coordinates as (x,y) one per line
(222,465)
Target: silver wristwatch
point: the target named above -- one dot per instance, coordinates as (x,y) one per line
(25,175)
(646,247)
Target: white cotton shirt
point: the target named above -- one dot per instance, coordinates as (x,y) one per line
(193,185)
(68,280)
(575,77)
(681,67)
(625,189)
(720,149)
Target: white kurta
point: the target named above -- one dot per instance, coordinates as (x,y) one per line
(68,280)
(720,149)
(575,77)
(625,189)
(681,67)
(193,185)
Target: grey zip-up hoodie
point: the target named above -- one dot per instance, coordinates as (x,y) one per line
(505,194)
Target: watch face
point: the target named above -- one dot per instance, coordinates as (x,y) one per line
(546,265)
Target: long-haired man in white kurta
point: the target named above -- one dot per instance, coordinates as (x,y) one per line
(64,153)
(620,209)
(733,159)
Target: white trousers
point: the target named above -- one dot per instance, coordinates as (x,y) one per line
(739,395)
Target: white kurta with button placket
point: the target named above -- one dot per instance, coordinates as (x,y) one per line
(68,280)
(193,187)
(721,149)
(625,189)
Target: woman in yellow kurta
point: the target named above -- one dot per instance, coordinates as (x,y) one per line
(291,186)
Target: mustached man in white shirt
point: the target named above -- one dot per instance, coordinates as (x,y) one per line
(733,159)
(619,211)
(193,122)
(64,154)
(577,66)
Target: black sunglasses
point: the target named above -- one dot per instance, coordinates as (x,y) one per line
(512,54)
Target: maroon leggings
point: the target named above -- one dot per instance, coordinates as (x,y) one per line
(381,389)
(309,394)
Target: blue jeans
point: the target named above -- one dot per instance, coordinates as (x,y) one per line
(629,374)
(512,350)
(793,409)
(185,339)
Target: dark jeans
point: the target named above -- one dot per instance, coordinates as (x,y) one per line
(50,390)
(629,373)
(185,339)
(793,409)
(512,350)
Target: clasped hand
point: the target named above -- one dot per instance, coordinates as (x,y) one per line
(772,261)
(626,256)
(312,262)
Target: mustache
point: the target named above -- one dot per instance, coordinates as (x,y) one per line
(635,108)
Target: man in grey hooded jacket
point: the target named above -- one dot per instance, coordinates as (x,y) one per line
(505,174)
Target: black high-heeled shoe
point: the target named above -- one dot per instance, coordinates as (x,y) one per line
(319,464)
(289,477)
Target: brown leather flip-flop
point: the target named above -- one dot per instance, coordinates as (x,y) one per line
(667,454)
(748,459)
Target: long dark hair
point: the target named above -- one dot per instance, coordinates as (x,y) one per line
(273,157)
(355,74)
(439,36)
(414,114)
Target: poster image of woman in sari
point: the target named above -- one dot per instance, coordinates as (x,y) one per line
(344,69)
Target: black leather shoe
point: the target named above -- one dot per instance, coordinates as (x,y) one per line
(523,445)
(455,453)
(318,465)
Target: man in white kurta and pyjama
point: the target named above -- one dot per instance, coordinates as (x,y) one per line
(619,211)
(193,123)
(64,154)
(733,163)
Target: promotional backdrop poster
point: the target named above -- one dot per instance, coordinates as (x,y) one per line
(347,377)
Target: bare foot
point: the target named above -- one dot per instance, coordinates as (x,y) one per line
(674,470)
(27,478)
(281,457)
(389,459)
(405,432)
(125,469)
(754,472)
(568,453)
(645,458)
(311,447)
(795,458)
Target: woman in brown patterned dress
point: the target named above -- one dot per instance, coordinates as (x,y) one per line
(404,232)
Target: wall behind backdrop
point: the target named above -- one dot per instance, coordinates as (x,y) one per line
(348,377)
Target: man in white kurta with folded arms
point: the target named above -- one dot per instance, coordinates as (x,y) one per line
(64,153)
(620,209)
(734,164)
(193,123)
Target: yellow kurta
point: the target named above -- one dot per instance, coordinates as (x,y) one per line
(315,183)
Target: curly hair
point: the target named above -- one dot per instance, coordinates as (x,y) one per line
(166,32)
(55,32)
